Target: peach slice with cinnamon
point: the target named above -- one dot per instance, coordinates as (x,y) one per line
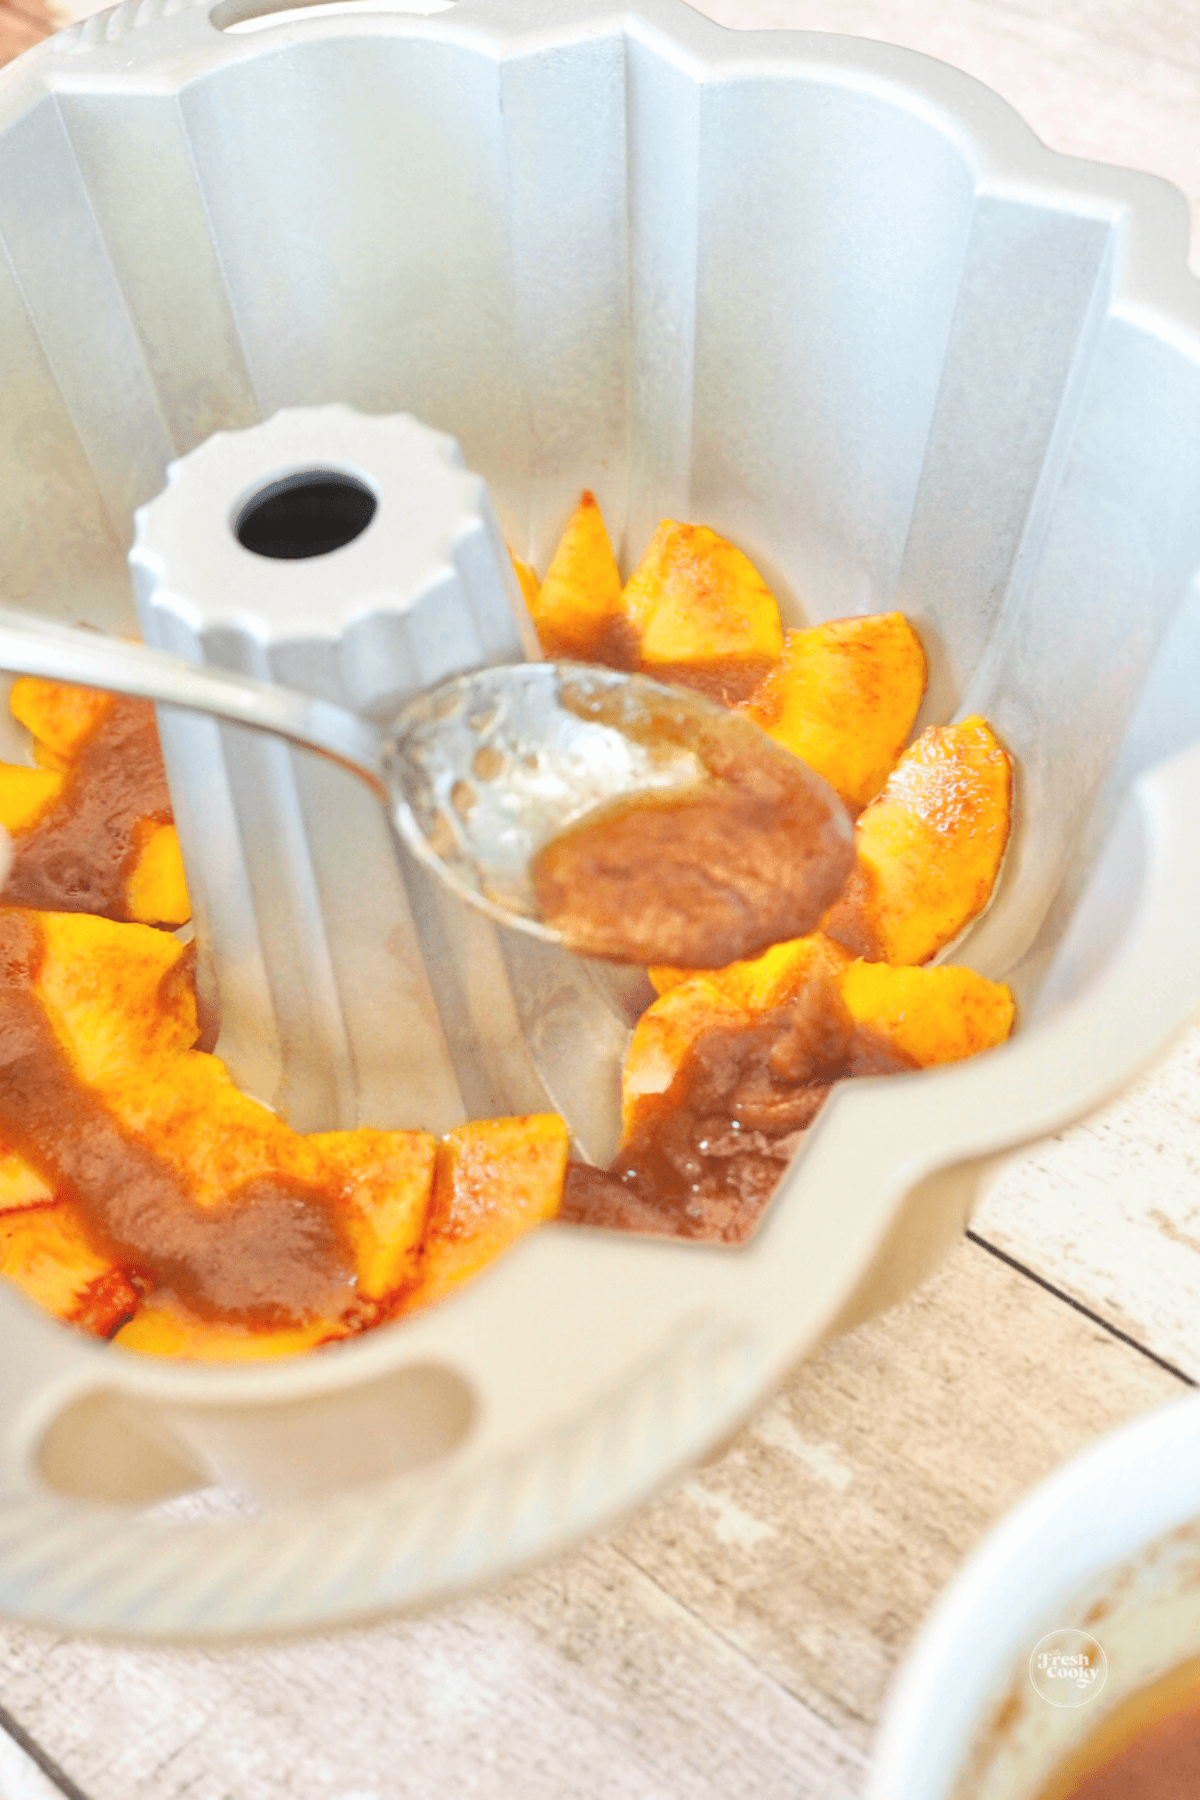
(843,697)
(576,606)
(495,1180)
(58,716)
(20,1186)
(929,847)
(387,1180)
(934,1016)
(156,887)
(927,1015)
(26,795)
(161,1327)
(119,1006)
(698,612)
(690,1005)
(46,1252)
(63,721)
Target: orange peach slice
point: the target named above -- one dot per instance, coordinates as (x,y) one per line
(929,848)
(495,1180)
(696,604)
(689,1005)
(26,794)
(663,1036)
(58,715)
(19,1184)
(576,606)
(120,1003)
(530,585)
(775,973)
(44,1250)
(156,891)
(843,698)
(117,996)
(388,1177)
(933,1015)
(61,718)
(161,1327)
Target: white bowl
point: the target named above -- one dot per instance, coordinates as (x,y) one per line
(1109,1546)
(833,300)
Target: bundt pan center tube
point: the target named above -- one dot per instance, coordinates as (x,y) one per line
(829,298)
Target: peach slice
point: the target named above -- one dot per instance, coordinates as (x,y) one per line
(120,1002)
(689,1005)
(929,848)
(576,606)
(61,718)
(119,997)
(388,1177)
(495,1180)
(26,795)
(58,715)
(843,698)
(699,611)
(161,1327)
(20,1185)
(45,1251)
(156,891)
(774,974)
(530,585)
(933,1015)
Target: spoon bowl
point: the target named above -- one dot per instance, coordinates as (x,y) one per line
(482,773)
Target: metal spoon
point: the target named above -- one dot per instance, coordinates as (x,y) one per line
(477,774)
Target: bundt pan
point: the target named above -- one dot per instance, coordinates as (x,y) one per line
(830,298)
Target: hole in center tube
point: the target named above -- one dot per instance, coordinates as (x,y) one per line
(309,514)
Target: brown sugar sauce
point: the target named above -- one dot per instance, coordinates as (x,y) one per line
(752,855)
(80,856)
(1147,1749)
(273,1253)
(704,1157)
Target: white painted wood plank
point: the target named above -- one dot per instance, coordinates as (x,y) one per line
(584,1679)
(819,1542)
(20,1777)
(1110,1210)
(732,1642)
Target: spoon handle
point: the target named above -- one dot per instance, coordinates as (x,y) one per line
(33,646)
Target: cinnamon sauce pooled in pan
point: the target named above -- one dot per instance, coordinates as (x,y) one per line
(705,1156)
(273,1253)
(80,856)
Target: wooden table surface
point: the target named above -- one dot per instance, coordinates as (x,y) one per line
(735,1640)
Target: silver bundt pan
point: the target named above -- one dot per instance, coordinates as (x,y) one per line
(830,298)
